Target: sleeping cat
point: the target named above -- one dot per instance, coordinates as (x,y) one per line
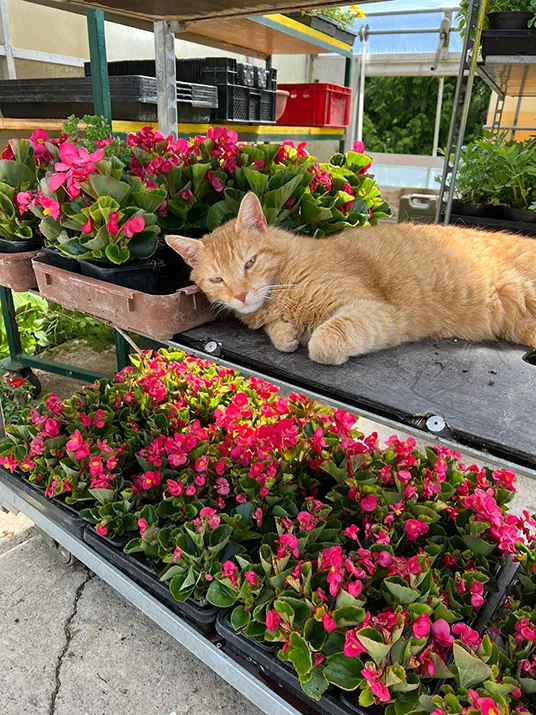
(368,288)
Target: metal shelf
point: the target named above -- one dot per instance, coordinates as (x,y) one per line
(509,76)
(245,682)
(184,11)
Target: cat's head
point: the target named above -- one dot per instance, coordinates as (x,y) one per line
(236,265)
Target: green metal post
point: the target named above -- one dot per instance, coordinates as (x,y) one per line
(347,83)
(99,64)
(12,331)
(122,351)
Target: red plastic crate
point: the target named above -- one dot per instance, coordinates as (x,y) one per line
(316,105)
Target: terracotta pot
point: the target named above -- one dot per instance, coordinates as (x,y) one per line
(159,316)
(16,271)
(281,97)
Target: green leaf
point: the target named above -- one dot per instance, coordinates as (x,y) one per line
(240,618)
(402,594)
(315,685)
(221,212)
(471,670)
(15,173)
(107,186)
(256,180)
(149,201)
(298,652)
(479,546)
(220,595)
(372,641)
(348,616)
(115,254)
(99,242)
(143,245)
(343,672)
(366,698)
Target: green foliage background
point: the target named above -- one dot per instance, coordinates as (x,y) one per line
(400,113)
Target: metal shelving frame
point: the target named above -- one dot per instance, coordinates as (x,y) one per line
(513,76)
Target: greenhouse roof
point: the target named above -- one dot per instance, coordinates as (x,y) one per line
(404,43)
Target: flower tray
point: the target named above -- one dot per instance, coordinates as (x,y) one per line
(161,316)
(280,672)
(494,224)
(63,514)
(146,575)
(16,270)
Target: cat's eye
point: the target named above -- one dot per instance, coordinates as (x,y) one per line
(250,263)
(216,279)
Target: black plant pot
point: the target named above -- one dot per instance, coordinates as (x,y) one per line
(55,258)
(509,20)
(176,273)
(144,276)
(525,216)
(480,210)
(20,246)
(145,573)
(66,515)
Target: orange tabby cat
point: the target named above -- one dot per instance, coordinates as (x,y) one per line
(368,288)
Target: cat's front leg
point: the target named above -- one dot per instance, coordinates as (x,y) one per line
(356,329)
(283,335)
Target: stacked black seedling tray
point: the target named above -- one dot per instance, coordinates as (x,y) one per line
(54,508)
(145,574)
(508,42)
(265,658)
(133,98)
(244,92)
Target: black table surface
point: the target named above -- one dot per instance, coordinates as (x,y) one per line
(485,392)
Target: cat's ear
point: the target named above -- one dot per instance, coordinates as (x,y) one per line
(250,216)
(189,248)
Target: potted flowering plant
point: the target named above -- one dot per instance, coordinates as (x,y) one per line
(15,397)
(333,21)
(100,220)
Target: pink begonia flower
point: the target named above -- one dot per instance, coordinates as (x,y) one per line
(251,577)
(415,528)
(96,466)
(38,140)
(222,486)
(150,479)
(377,686)
(421,626)
(477,591)
(22,200)
(368,503)
(101,529)
(51,427)
(273,619)
(467,635)
(174,488)
(78,446)
(142,523)
(354,588)
(50,206)
(133,225)
(190,490)
(352,647)
(112,226)
(88,226)
(441,632)
(328,622)
(359,147)
(287,542)
(187,195)
(75,166)
(351,532)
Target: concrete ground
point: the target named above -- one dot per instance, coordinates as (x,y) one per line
(71,646)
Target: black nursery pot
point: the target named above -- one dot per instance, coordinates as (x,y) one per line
(55,258)
(509,20)
(478,210)
(20,246)
(525,216)
(176,273)
(144,276)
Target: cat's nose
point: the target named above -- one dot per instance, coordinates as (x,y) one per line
(241,297)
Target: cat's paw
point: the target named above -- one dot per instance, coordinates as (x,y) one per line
(326,353)
(283,336)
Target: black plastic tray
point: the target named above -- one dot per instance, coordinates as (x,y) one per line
(237,103)
(494,602)
(64,514)
(280,672)
(494,224)
(58,260)
(508,42)
(20,246)
(132,97)
(144,574)
(144,277)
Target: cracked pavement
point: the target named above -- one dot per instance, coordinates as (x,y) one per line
(71,645)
